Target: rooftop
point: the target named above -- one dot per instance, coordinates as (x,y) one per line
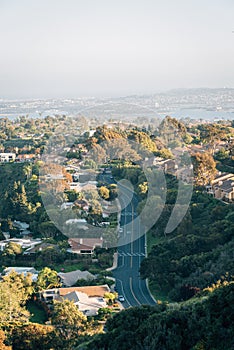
(91,291)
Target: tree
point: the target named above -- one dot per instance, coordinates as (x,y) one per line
(12,249)
(50,256)
(14,292)
(189,325)
(47,279)
(2,237)
(104,192)
(33,336)
(68,321)
(2,339)
(98,154)
(211,133)
(110,297)
(185,227)
(204,168)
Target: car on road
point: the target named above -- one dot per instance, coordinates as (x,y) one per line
(121,298)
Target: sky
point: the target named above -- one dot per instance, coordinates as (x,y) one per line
(76,48)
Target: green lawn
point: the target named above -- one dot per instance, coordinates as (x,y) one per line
(70,267)
(38,314)
(157,294)
(83,265)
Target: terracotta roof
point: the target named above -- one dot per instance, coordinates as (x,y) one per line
(78,246)
(91,291)
(26,156)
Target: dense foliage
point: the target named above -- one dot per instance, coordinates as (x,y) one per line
(203,323)
(198,253)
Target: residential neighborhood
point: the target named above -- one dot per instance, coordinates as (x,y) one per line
(73,239)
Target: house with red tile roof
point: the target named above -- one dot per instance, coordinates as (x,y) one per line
(84,245)
(88,299)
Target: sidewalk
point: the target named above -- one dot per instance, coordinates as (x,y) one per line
(115,261)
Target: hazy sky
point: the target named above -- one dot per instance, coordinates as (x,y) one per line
(72,48)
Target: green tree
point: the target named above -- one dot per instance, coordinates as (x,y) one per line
(47,278)
(204,168)
(110,297)
(68,321)
(50,256)
(15,290)
(2,237)
(12,249)
(104,192)
(34,336)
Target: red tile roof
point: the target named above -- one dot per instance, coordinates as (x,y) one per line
(91,291)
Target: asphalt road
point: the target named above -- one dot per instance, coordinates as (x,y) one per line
(131,251)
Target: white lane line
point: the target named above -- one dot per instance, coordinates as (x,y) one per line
(122,256)
(130,283)
(139,264)
(123,291)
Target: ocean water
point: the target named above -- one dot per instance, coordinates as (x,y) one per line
(109,109)
(200,113)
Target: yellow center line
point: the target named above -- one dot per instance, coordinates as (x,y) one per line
(130,283)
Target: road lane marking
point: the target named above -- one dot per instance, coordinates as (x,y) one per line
(121,254)
(138,254)
(130,283)
(117,279)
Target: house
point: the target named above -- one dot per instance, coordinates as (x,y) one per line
(24,243)
(84,245)
(89,299)
(21,158)
(195,149)
(222,187)
(68,279)
(82,204)
(76,224)
(39,247)
(167,165)
(221,177)
(225,190)
(86,186)
(7,157)
(23,227)
(22,270)
(66,205)
(53,177)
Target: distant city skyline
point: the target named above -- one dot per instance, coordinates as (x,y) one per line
(74,48)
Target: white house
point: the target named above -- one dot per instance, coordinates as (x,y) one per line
(7,157)
(88,299)
(24,243)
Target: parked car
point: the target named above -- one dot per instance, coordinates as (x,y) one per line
(121,298)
